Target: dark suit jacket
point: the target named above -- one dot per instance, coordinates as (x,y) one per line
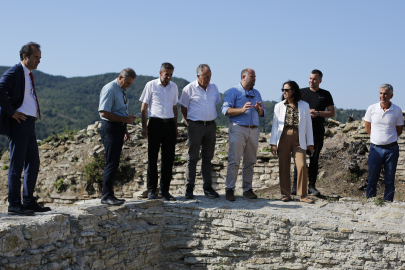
(12,88)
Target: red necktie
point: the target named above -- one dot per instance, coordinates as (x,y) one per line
(35,93)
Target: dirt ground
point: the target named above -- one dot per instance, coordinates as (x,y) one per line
(338,176)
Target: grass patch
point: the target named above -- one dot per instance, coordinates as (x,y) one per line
(5,167)
(59,185)
(379,201)
(218,128)
(93,172)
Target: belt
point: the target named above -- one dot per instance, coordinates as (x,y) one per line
(203,122)
(118,123)
(251,126)
(385,146)
(32,118)
(162,119)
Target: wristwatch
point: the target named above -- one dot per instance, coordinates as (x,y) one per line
(319,113)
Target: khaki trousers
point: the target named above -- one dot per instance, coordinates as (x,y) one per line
(289,142)
(243,141)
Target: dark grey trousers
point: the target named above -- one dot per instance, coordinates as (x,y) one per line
(204,137)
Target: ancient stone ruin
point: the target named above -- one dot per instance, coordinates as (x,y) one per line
(80,233)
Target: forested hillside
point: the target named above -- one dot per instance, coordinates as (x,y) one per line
(72,103)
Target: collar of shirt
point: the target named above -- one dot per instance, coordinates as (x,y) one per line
(160,83)
(389,109)
(26,70)
(286,103)
(118,86)
(198,85)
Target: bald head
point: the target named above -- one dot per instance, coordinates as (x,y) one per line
(248,77)
(128,72)
(126,78)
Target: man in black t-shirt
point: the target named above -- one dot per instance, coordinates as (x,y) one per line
(318,100)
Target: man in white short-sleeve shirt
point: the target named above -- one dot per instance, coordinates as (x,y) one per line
(384,122)
(198,106)
(159,99)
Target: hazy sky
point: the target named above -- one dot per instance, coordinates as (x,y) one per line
(358,45)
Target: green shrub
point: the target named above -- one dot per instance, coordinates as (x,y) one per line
(59,185)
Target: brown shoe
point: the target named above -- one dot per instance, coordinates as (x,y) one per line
(229,195)
(306,200)
(286,199)
(249,194)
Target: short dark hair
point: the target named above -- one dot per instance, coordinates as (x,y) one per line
(128,72)
(295,89)
(166,65)
(317,71)
(27,49)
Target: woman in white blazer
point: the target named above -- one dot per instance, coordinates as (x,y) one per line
(292,133)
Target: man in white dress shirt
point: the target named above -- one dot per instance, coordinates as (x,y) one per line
(384,122)
(159,99)
(198,106)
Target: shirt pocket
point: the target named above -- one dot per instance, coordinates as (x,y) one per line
(212,101)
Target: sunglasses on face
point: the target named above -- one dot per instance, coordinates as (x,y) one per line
(285,90)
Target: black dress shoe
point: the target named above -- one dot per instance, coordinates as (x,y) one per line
(313,191)
(167,196)
(111,200)
(34,206)
(211,193)
(230,196)
(294,191)
(19,211)
(189,194)
(122,200)
(152,195)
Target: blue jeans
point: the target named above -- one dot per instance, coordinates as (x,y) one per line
(112,134)
(389,158)
(23,156)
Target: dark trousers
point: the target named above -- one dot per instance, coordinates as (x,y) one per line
(161,135)
(314,160)
(204,137)
(376,159)
(23,155)
(112,135)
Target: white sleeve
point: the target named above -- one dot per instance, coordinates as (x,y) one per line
(185,97)
(367,117)
(146,94)
(400,118)
(310,133)
(176,95)
(274,128)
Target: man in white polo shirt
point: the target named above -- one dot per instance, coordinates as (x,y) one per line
(198,106)
(159,99)
(384,122)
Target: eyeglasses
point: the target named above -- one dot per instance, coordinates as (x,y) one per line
(125,98)
(285,90)
(250,96)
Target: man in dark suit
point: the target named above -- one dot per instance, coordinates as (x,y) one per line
(19,109)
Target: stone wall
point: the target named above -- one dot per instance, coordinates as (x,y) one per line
(207,234)
(90,236)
